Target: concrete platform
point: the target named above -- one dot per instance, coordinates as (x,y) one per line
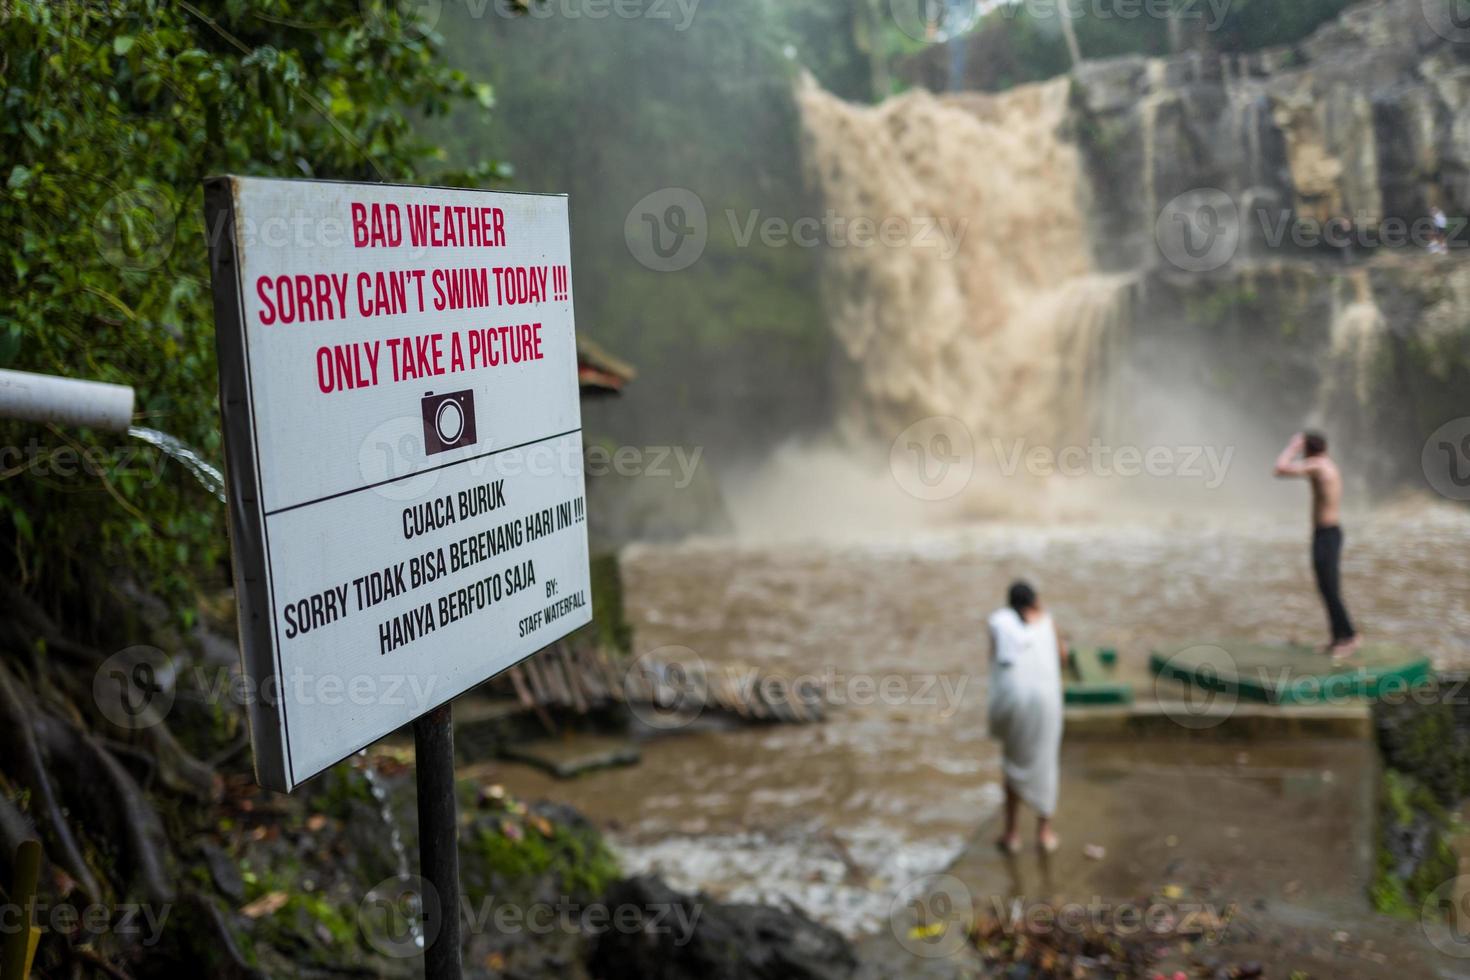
(573,755)
(1162,705)
(1293,675)
(1178,717)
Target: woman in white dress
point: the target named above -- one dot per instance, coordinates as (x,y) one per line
(1025,705)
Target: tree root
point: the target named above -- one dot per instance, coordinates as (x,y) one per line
(96,962)
(15,717)
(86,795)
(178,770)
(14,828)
(107,797)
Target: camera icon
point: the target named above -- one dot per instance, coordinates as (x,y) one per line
(449,420)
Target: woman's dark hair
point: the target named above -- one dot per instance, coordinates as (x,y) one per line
(1313,444)
(1021,597)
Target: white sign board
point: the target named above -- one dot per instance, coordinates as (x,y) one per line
(398,382)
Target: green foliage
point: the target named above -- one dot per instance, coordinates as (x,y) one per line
(1252,24)
(114,112)
(840,43)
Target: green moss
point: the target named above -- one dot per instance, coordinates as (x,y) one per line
(336,789)
(1439,867)
(292,928)
(516,859)
(590,867)
(1387,891)
(1396,788)
(339,924)
(520,850)
(608,618)
(1407,808)
(582,863)
(1421,740)
(1221,304)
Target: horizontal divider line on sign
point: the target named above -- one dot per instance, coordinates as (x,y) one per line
(408,476)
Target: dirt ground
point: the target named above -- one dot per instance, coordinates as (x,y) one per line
(1212,858)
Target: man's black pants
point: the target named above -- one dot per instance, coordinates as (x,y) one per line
(1326,556)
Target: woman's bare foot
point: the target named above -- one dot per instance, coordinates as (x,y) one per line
(1009,844)
(1048,841)
(1344,649)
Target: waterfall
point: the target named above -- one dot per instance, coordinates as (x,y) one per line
(1357,325)
(956,49)
(1006,324)
(380,795)
(1245,97)
(1156,94)
(1343,404)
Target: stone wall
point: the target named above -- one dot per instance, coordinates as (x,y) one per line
(1275,209)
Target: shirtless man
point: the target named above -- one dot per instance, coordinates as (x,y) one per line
(1306,455)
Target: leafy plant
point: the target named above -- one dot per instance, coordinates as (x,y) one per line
(114,113)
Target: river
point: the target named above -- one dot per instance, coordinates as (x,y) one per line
(835,816)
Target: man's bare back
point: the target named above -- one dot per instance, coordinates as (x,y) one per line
(1326,481)
(1322,473)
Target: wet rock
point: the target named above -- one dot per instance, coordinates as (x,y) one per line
(1424,738)
(567,758)
(722,942)
(563,814)
(1359,121)
(223,871)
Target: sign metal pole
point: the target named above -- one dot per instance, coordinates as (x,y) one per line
(433,742)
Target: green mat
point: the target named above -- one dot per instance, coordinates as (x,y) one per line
(1285,674)
(1092,678)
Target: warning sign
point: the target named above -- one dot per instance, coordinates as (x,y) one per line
(398,384)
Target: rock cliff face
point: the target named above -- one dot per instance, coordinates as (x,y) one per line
(1277,209)
(1368,120)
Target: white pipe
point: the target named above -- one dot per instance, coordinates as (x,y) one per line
(67,401)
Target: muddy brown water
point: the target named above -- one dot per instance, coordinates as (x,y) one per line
(835,816)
